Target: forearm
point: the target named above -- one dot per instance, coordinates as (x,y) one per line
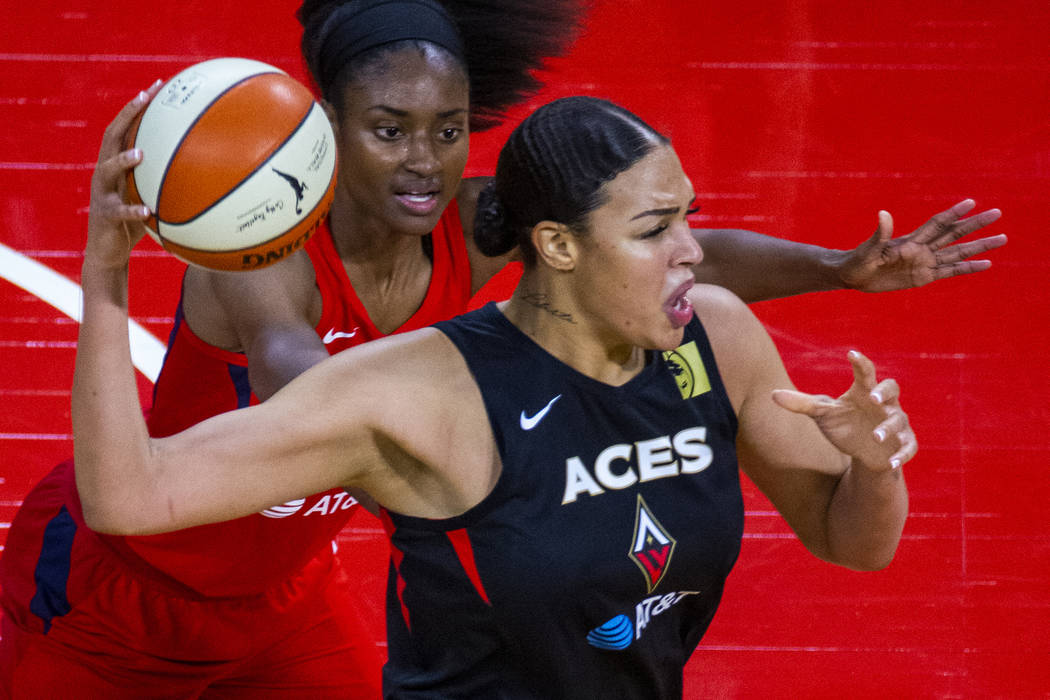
(756,267)
(109,433)
(866,517)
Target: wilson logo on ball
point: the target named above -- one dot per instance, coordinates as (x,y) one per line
(239,164)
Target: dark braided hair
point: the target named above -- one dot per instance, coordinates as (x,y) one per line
(554,167)
(504,42)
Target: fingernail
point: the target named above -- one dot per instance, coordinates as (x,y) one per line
(142,96)
(876,397)
(895,464)
(144,211)
(135,153)
(880,435)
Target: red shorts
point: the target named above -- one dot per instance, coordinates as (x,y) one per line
(117,632)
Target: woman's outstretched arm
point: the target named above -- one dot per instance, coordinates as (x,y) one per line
(756,267)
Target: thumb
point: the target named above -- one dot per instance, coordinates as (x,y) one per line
(799,402)
(885,230)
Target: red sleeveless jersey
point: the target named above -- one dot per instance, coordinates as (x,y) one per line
(250,554)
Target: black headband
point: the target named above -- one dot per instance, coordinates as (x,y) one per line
(356,27)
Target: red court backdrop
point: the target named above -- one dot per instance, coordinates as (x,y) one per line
(795,118)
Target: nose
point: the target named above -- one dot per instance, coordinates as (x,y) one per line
(421,157)
(687,249)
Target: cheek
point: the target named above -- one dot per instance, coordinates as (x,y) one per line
(455,160)
(362,163)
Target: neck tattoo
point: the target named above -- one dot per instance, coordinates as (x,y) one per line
(540,301)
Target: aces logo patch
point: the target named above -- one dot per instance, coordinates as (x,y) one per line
(652,547)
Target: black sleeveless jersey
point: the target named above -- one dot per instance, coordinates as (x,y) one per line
(596,563)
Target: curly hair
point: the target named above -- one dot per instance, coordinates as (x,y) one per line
(505,42)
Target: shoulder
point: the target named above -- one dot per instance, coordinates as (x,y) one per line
(717,306)
(742,347)
(411,416)
(221,307)
(398,374)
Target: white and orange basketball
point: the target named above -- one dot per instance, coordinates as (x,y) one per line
(239,164)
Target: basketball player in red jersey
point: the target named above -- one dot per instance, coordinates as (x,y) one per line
(261,606)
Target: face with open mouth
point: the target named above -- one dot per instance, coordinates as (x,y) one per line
(638,254)
(403,141)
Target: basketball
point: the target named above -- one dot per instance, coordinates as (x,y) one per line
(238,167)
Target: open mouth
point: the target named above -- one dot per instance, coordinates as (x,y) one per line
(418,202)
(678,308)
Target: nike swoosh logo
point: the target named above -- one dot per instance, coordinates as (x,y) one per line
(530,422)
(333,335)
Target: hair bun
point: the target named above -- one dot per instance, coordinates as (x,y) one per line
(490,223)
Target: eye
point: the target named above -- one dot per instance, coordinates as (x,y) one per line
(388,133)
(450,134)
(653,233)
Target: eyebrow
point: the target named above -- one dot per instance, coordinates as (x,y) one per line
(405,113)
(662,212)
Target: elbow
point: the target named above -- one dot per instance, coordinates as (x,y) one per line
(871,563)
(869,557)
(107,514)
(105,519)
(98,520)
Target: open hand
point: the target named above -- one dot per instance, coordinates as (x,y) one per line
(929,253)
(866,423)
(114,226)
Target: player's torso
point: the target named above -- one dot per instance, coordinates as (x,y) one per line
(608,537)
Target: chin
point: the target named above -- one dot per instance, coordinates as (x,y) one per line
(668,340)
(415,225)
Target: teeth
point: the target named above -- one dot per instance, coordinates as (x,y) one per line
(418,197)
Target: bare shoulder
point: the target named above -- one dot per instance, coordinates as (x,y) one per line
(723,313)
(419,374)
(742,347)
(223,308)
(415,415)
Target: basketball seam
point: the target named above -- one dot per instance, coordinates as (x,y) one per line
(182,139)
(247,177)
(259,244)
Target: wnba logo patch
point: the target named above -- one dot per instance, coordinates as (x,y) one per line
(652,547)
(688,369)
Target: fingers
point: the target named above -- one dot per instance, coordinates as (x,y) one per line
(887,392)
(965,228)
(810,405)
(863,370)
(909,448)
(113,136)
(897,428)
(110,171)
(953,261)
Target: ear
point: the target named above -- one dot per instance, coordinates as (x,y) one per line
(555,245)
